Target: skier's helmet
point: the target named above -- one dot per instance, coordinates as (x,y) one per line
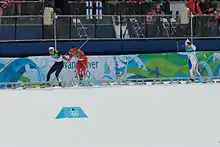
(187,42)
(51,48)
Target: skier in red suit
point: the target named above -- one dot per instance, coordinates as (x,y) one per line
(81,64)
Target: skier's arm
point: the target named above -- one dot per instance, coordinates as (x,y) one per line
(80,59)
(182,53)
(65,58)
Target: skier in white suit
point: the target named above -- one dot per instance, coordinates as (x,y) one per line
(193,61)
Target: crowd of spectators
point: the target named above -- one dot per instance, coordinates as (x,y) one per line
(207,8)
(208,12)
(195,6)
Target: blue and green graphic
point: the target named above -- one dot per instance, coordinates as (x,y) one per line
(14,70)
(163,65)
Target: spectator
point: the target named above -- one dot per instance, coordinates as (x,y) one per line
(191,6)
(159,10)
(132,2)
(4,4)
(150,19)
(150,28)
(158,22)
(217,17)
(203,8)
(166,6)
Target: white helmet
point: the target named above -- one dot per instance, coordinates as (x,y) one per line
(51,48)
(187,41)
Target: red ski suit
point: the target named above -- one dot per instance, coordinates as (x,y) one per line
(82,63)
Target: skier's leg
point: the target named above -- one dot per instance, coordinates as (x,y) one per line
(58,71)
(78,70)
(190,68)
(195,65)
(52,70)
(197,70)
(84,67)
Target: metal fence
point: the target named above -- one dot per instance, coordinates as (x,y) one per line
(70,27)
(118,82)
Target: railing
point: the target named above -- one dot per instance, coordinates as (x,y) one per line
(73,27)
(143,81)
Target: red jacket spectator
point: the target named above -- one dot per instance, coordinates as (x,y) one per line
(198,9)
(217,15)
(150,18)
(204,7)
(133,1)
(191,6)
(4,3)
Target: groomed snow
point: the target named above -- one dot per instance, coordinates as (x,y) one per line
(123,116)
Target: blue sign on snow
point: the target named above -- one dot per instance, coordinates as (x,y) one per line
(71,112)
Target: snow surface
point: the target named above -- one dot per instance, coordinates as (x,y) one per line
(125,116)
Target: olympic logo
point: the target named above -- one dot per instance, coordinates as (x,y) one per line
(74,114)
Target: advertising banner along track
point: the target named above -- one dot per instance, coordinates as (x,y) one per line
(35,69)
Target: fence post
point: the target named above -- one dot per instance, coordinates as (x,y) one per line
(42,27)
(96,21)
(55,30)
(16,20)
(121,37)
(70,27)
(191,25)
(120,24)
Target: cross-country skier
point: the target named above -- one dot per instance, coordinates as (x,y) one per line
(193,61)
(57,66)
(81,64)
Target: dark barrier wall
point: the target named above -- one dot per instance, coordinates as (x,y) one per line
(107,47)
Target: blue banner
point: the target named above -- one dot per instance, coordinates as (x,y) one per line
(105,47)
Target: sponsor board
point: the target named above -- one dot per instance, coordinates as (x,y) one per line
(35,69)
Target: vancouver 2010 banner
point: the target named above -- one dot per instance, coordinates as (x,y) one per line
(34,69)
